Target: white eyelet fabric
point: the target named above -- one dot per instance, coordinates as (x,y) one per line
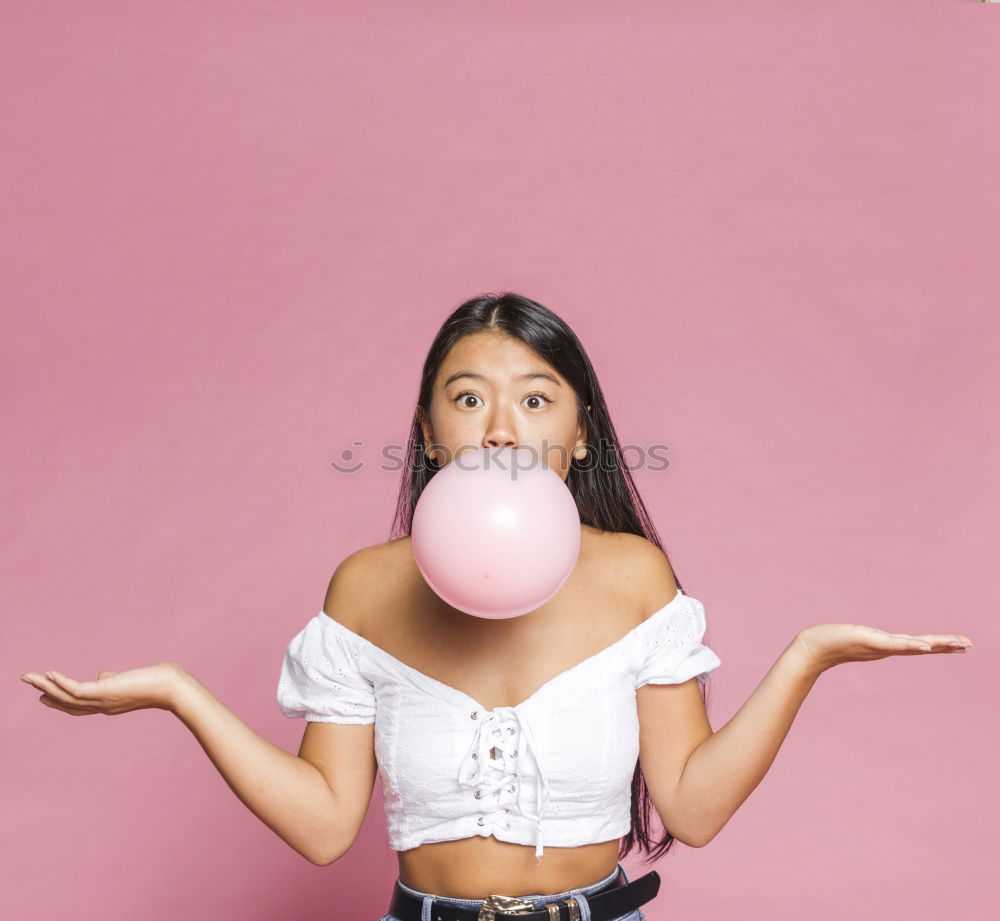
(556,769)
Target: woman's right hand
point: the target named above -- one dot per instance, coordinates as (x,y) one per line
(150,686)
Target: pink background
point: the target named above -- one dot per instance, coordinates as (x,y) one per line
(229,234)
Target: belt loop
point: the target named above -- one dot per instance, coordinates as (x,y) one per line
(425,908)
(622,868)
(581,900)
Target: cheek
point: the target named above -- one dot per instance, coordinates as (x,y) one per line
(457,432)
(559,458)
(456,435)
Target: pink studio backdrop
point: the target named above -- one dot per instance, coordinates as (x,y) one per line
(230,232)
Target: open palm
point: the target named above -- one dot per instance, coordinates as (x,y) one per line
(832,644)
(150,686)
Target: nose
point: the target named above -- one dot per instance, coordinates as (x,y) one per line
(500,433)
(499,438)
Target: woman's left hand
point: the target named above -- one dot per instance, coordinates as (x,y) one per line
(826,645)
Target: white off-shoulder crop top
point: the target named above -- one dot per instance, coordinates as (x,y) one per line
(565,756)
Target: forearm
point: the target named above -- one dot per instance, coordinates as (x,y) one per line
(287,793)
(726,768)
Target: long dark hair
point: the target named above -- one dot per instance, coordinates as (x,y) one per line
(604,491)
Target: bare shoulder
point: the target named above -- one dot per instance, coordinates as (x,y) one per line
(359,581)
(643,571)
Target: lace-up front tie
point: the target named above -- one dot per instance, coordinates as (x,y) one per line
(506,731)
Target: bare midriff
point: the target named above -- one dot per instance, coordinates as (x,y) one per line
(475,868)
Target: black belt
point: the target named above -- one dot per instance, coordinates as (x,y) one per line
(618,899)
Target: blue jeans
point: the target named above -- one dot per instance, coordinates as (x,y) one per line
(539,900)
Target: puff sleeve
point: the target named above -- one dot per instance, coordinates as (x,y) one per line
(674,652)
(321,676)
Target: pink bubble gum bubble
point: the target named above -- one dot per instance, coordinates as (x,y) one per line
(496,533)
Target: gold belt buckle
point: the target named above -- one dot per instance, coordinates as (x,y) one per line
(516,906)
(508,903)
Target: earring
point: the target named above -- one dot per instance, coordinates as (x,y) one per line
(579,453)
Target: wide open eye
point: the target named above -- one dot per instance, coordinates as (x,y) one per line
(465,393)
(541,396)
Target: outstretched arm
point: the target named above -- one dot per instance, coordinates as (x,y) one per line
(725,768)
(287,793)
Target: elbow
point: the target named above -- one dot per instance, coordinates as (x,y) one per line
(693,837)
(330,855)
(324,860)
(700,837)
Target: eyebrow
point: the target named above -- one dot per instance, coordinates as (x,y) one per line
(480,377)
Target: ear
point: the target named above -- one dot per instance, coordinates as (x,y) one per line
(425,428)
(581,433)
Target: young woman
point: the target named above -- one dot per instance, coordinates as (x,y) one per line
(519,757)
